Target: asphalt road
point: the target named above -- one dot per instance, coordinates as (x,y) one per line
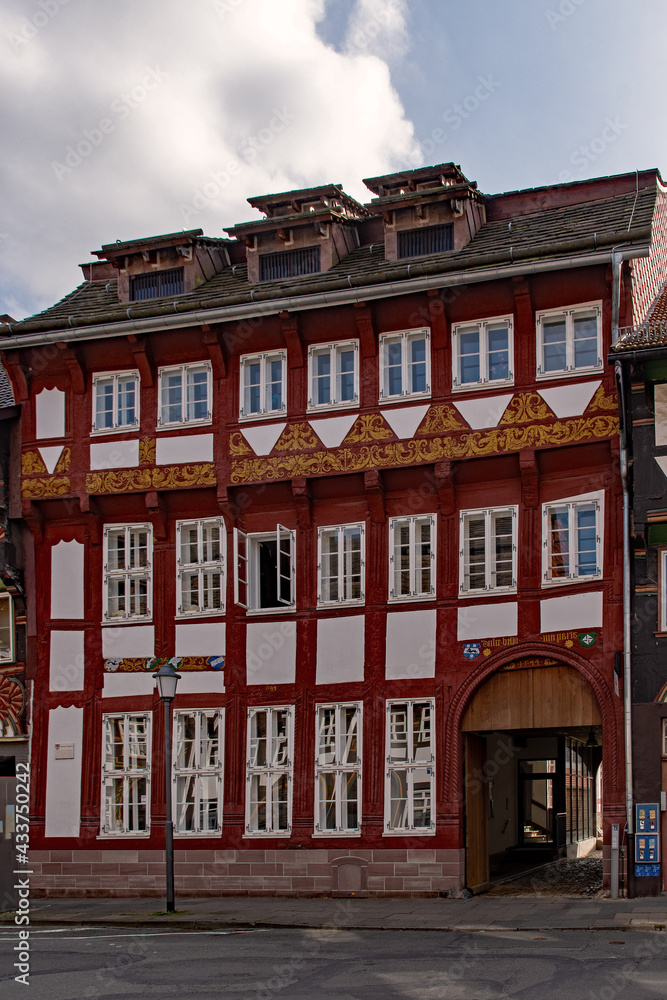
(73,964)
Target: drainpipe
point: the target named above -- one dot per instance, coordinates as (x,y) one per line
(627,623)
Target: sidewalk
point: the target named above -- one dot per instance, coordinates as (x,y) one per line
(529,912)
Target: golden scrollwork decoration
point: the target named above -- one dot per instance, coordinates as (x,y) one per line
(237,444)
(147,451)
(168,477)
(525,407)
(441,419)
(297,437)
(32,464)
(601,401)
(368,427)
(64,461)
(46,488)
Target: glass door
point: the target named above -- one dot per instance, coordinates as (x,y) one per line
(536,802)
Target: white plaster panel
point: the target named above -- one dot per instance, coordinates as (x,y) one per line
(184,448)
(122,685)
(410,644)
(332,430)
(50,455)
(262,437)
(271,653)
(404,420)
(571,612)
(486,621)
(114,454)
(570,400)
(201,682)
(200,639)
(63,777)
(128,640)
(66,661)
(340,650)
(662,462)
(483,411)
(67,580)
(49,414)
(660,404)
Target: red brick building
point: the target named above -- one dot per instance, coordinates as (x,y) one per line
(354,471)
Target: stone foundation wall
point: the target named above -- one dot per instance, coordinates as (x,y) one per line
(239,873)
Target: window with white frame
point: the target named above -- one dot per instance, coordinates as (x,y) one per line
(263,391)
(483,353)
(488,550)
(116,401)
(338,769)
(200,547)
(198,771)
(572,540)
(410,773)
(185,394)
(405,364)
(265,569)
(340,564)
(569,340)
(412,557)
(6,628)
(128,551)
(334,375)
(662,624)
(126,773)
(269,771)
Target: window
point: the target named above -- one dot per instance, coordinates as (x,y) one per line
(198,771)
(571,540)
(128,551)
(334,375)
(568,340)
(116,401)
(126,773)
(411,767)
(482,353)
(338,769)
(664,737)
(289,263)
(405,364)
(269,771)
(488,550)
(426,239)
(200,547)
(662,624)
(152,286)
(185,394)
(263,384)
(6,628)
(340,564)
(264,574)
(412,557)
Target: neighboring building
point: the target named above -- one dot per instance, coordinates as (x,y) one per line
(640,355)
(355,471)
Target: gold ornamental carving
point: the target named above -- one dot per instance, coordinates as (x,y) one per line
(524,408)
(601,401)
(368,427)
(441,420)
(163,478)
(174,477)
(46,488)
(64,461)
(147,451)
(32,464)
(237,444)
(297,437)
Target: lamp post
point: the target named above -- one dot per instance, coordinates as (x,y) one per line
(167,679)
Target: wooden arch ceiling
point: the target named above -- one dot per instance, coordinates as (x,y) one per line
(542,697)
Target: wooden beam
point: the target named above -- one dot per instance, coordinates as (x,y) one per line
(290,331)
(365,329)
(143,358)
(216,352)
(75,364)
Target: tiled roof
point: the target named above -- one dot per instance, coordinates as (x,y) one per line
(651,333)
(551,234)
(6,391)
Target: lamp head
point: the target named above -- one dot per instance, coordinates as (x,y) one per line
(167,679)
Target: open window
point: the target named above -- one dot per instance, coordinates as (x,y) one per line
(264,569)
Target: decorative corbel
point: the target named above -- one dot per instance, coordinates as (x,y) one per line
(77,371)
(284,235)
(158,513)
(92,517)
(17,375)
(375,498)
(530,478)
(436,312)
(523,302)
(303,502)
(445,486)
(366,330)
(143,358)
(216,352)
(290,331)
(34,518)
(228,504)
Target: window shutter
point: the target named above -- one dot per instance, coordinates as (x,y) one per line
(284,551)
(240,568)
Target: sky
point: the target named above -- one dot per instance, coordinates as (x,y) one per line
(132,118)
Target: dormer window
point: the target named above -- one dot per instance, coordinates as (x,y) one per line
(425,240)
(157,284)
(289,263)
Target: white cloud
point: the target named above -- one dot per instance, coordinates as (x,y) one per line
(378,27)
(131,119)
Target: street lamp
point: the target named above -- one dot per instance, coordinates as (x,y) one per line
(167,679)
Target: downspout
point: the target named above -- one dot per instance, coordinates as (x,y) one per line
(627,622)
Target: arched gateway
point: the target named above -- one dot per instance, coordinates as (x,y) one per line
(528,736)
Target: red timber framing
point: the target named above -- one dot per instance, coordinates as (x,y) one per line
(422,490)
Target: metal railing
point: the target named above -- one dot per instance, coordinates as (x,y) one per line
(289,263)
(419,242)
(153,286)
